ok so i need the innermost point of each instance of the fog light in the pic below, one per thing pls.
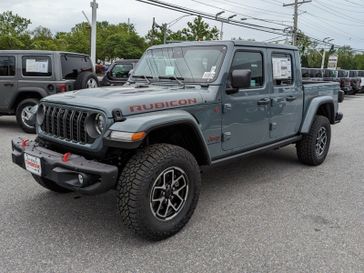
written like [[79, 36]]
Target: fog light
[[80, 179]]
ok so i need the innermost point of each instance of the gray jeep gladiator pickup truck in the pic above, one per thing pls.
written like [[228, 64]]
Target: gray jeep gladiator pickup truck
[[26, 76], [186, 105]]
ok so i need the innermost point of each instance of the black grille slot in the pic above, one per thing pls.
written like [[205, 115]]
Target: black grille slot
[[67, 124]]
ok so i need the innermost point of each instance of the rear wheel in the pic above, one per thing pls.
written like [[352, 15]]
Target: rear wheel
[[313, 148], [50, 185], [158, 190], [23, 115]]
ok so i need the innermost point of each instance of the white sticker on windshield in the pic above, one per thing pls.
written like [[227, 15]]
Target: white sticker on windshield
[[208, 75], [169, 70], [213, 69], [33, 65]]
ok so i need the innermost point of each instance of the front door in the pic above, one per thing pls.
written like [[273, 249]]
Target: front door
[[245, 120], [8, 83], [287, 96]]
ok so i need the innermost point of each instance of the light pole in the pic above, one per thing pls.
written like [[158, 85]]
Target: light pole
[[94, 7], [222, 24], [327, 40]]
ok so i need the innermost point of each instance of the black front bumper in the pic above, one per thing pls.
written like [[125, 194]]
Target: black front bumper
[[97, 177]]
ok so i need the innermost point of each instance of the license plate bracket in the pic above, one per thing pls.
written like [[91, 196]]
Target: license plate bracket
[[33, 164]]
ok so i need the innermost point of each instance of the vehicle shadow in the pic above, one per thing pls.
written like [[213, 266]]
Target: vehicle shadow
[[95, 218]]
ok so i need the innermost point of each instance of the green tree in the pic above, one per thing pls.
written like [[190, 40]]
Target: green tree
[[196, 30], [199, 30], [42, 39], [13, 31], [345, 58]]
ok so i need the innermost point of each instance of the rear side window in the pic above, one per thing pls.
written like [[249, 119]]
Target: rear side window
[[37, 66], [252, 61], [7, 66], [73, 65], [282, 69], [120, 71]]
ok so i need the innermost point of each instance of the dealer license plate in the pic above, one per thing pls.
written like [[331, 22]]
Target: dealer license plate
[[32, 164]]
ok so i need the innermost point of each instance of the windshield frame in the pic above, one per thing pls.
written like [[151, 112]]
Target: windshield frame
[[155, 79]]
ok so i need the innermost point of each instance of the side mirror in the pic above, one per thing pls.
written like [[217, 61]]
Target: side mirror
[[241, 78]]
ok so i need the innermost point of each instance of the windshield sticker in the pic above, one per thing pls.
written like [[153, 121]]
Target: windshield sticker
[[213, 69], [33, 65], [282, 68], [208, 75], [169, 70], [252, 83]]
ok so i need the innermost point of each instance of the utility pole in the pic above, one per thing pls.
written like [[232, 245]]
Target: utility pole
[[94, 7], [296, 4]]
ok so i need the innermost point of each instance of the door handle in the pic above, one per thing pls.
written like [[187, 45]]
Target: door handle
[[264, 101], [8, 84], [291, 98]]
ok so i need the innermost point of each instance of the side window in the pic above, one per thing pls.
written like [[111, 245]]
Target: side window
[[252, 61], [7, 66], [73, 65], [282, 69], [36, 66], [121, 71]]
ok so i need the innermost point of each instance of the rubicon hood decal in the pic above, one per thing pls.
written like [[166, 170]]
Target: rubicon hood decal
[[130, 100], [162, 105]]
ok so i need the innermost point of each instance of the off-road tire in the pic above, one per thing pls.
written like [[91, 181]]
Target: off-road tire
[[19, 109], [50, 185], [83, 78], [136, 182], [306, 148]]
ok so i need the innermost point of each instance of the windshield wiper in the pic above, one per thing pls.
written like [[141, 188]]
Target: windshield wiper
[[173, 77], [143, 77]]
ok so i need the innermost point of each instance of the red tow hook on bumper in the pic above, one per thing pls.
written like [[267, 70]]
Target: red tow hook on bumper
[[24, 142], [66, 157]]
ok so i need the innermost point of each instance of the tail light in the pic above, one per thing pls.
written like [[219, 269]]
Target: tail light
[[62, 87]]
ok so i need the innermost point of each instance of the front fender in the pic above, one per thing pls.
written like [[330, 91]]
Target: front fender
[[150, 121], [312, 110]]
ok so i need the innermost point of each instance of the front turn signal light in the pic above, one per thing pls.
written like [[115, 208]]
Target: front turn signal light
[[127, 137]]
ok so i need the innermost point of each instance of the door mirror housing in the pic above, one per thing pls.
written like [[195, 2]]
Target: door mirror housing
[[240, 78]]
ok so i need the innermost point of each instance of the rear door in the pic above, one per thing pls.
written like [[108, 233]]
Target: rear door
[[8, 83], [287, 95], [245, 121]]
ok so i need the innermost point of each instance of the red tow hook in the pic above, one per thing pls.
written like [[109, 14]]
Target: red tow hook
[[66, 157], [24, 142]]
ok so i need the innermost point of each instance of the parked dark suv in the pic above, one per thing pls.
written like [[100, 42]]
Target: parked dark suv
[[27, 76], [118, 72], [355, 80]]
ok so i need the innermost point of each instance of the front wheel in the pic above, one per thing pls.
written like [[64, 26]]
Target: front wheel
[[24, 115], [158, 190], [314, 146]]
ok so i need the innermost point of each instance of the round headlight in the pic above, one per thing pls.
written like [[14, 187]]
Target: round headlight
[[100, 123]]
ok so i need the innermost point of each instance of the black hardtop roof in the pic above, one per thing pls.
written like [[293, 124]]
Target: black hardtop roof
[[231, 42], [21, 51]]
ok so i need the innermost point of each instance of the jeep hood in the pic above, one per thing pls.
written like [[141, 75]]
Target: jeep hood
[[130, 100]]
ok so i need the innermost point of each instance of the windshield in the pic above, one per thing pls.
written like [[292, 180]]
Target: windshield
[[343, 73], [190, 64], [329, 73]]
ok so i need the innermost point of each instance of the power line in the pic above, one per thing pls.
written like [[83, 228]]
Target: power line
[[205, 15], [295, 18]]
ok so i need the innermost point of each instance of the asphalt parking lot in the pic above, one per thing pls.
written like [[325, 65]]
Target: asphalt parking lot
[[266, 213]]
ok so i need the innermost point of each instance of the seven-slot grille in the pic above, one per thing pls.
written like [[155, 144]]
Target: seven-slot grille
[[67, 124]]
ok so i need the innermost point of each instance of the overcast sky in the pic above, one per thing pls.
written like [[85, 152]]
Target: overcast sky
[[342, 20]]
